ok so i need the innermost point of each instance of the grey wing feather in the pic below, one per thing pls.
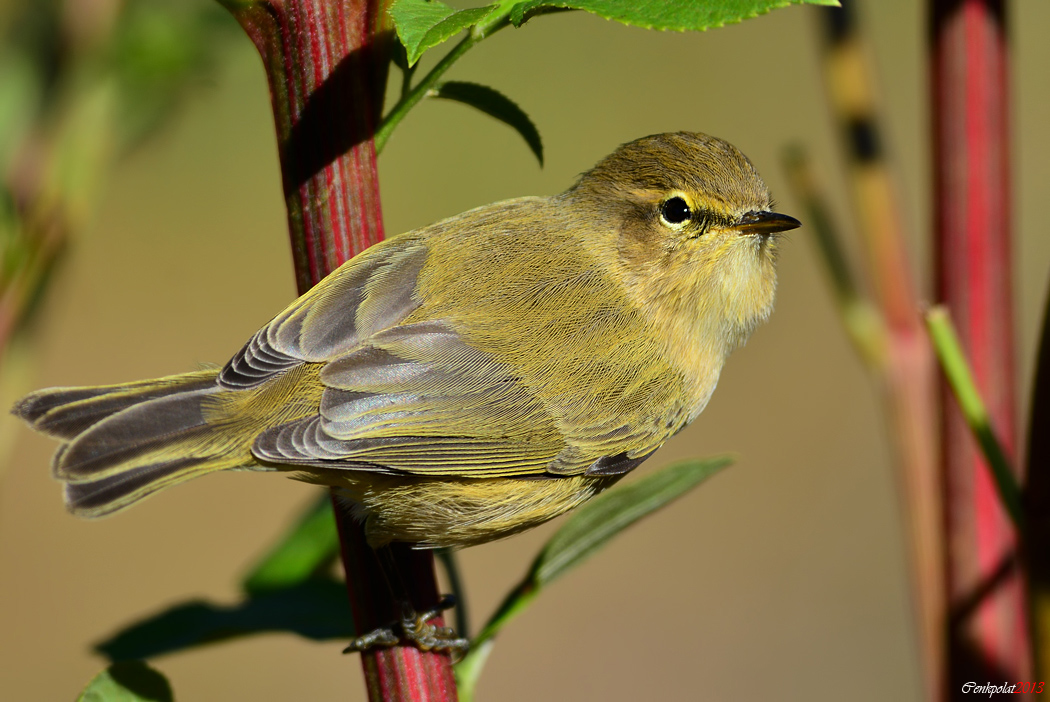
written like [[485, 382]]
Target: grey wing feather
[[404, 398], [417, 399], [371, 292]]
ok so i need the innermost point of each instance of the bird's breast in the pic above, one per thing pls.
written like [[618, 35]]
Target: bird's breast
[[449, 512]]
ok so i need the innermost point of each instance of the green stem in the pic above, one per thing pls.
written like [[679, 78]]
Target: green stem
[[411, 98], [957, 371], [406, 80], [864, 322], [447, 558], [468, 670]]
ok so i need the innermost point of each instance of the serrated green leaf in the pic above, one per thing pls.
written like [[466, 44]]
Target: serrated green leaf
[[663, 14], [414, 18], [316, 609], [310, 546], [127, 681], [495, 104], [423, 24], [607, 515]]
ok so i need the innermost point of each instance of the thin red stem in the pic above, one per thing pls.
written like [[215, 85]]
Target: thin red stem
[[906, 364]]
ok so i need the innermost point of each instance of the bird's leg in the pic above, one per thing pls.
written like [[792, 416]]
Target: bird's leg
[[412, 626]]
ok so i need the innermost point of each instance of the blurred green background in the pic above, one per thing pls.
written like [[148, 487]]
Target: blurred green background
[[783, 578]]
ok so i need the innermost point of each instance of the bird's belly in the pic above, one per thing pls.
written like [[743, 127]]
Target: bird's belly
[[454, 512]]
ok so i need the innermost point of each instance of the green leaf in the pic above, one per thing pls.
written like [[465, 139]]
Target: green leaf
[[495, 104], [316, 609], [127, 681], [663, 14], [604, 517], [311, 546], [586, 531], [423, 24]]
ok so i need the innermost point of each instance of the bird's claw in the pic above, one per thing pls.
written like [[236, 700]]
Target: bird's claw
[[414, 628], [383, 637]]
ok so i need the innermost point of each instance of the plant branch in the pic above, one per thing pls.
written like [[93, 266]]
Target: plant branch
[[862, 320], [1037, 507], [411, 97], [448, 560]]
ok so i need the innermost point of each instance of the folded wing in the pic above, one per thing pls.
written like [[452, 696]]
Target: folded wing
[[370, 293], [406, 394], [416, 399]]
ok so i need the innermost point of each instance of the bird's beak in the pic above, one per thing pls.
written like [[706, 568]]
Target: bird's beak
[[766, 223]]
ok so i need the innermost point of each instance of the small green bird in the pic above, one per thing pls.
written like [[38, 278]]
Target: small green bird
[[473, 378]]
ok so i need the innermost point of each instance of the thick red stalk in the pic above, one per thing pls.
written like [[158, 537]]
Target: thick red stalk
[[326, 61], [326, 66], [968, 68]]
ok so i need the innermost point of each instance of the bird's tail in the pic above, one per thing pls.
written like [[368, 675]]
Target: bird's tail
[[124, 442]]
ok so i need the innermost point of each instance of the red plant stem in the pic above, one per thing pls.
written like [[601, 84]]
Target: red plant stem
[[326, 70], [326, 61], [906, 366], [968, 68], [405, 672]]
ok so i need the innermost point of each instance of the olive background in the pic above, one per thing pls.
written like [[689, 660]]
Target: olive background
[[783, 578]]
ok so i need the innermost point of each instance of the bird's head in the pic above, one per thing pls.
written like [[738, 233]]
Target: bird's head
[[693, 227]]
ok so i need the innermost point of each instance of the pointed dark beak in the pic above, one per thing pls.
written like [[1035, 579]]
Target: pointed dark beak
[[766, 223]]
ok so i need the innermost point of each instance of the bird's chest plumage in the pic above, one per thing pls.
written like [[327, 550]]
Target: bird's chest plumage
[[461, 512]]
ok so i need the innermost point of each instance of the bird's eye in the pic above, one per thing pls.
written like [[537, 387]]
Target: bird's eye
[[675, 210]]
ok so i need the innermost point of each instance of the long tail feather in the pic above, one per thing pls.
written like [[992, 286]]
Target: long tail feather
[[125, 442], [153, 431], [64, 413], [98, 498]]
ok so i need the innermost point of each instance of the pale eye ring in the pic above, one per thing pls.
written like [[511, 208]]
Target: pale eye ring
[[675, 211]]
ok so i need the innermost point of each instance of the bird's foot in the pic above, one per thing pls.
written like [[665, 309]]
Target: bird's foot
[[415, 628]]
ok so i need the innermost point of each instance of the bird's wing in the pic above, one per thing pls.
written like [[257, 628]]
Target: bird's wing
[[415, 398], [369, 293], [412, 397]]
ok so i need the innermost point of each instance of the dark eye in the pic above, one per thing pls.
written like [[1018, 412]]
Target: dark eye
[[675, 211]]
